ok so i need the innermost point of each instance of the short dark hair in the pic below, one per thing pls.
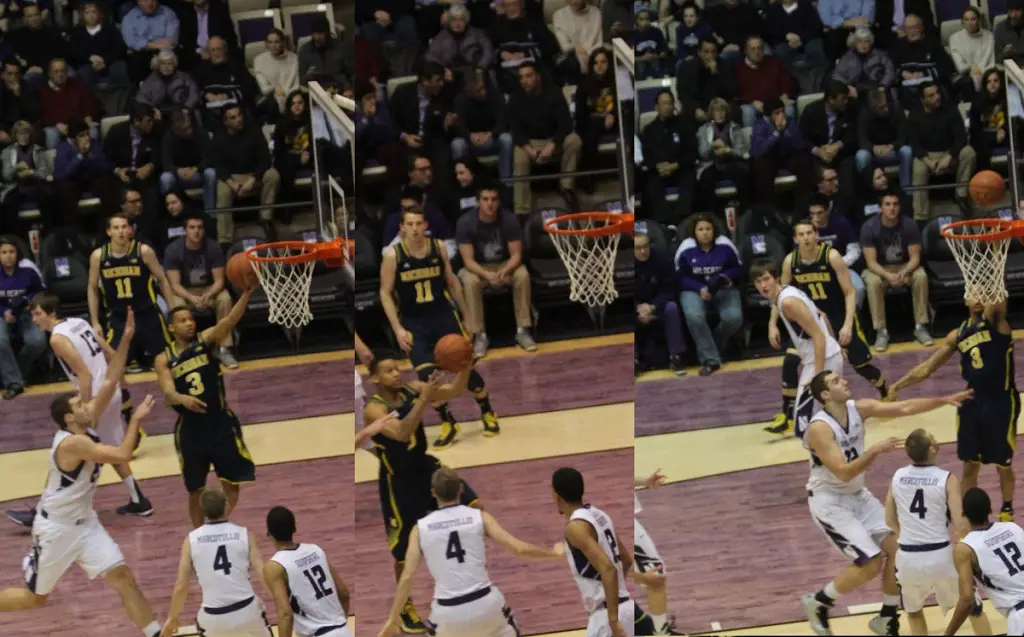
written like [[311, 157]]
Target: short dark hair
[[281, 524], [818, 199], [762, 267], [568, 484], [977, 506], [193, 215], [703, 217], [137, 111], [431, 70], [234, 107], [127, 189], [834, 88], [529, 64], [924, 86], [970, 9], [380, 356], [707, 39], [214, 504], [174, 310], [77, 127], [819, 384], [6, 239], [488, 184], [60, 408], [48, 302], [665, 91], [446, 484], [889, 192], [918, 445]]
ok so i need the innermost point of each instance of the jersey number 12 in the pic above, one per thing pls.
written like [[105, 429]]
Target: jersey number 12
[[1010, 555], [318, 580]]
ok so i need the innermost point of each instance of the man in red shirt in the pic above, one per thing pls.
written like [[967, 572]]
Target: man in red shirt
[[761, 79], [63, 100]]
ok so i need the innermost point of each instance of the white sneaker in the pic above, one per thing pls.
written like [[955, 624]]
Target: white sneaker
[[817, 614], [882, 341], [923, 336], [480, 345], [884, 625]]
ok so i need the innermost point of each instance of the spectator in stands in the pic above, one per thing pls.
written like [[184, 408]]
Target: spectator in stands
[[973, 51], [690, 31], [324, 55], [202, 20], [369, 68], [388, 21], [481, 126], [733, 23], [616, 20], [836, 231], [761, 79], [521, 37], [793, 30], [464, 197], [889, 16], [36, 44], [882, 136], [420, 173], [293, 139], [413, 198], [1008, 35], [707, 267], [939, 140], [65, 99], [990, 120], [580, 24], [892, 253], [702, 79], [81, 167], [724, 152], [491, 246], [864, 67], [170, 225], [18, 284], [670, 155], [225, 80], [830, 129], [183, 150], [18, 101], [919, 57], [133, 152], [776, 143], [377, 135], [148, 29], [839, 192], [195, 271], [11, 11], [654, 300], [842, 17], [168, 87], [542, 132], [277, 69], [421, 114], [460, 48], [241, 158], [650, 49], [27, 177], [596, 115], [97, 50]]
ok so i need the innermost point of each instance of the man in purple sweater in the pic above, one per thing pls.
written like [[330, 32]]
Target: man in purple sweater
[[18, 284]]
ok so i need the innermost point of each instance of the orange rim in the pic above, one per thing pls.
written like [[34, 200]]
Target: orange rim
[[617, 223], [309, 252], [999, 229]]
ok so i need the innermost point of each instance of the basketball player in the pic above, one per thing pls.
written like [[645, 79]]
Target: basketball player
[[841, 505], [207, 432], [364, 355], [417, 272], [818, 270], [810, 331], [126, 273], [405, 466], [311, 599], [220, 553], [452, 541], [67, 529], [986, 426], [989, 559], [923, 499], [650, 569]]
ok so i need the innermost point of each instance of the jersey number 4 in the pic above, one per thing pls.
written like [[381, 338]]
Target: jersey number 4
[[220, 560], [455, 550], [917, 504], [318, 580], [424, 292], [1010, 555]]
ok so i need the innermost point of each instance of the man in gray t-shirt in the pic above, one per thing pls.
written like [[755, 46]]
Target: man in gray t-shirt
[[491, 245]]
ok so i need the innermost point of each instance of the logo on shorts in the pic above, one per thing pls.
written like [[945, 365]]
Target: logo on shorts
[[393, 523]]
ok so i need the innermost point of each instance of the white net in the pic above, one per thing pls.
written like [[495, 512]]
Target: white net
[[286, 284], [982, 261], [589, 260]]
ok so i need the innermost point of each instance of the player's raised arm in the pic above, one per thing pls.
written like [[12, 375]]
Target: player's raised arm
[[965, 561], [514, 545], [581, 536], [115, 370], [955, 504], [403, 428], [921, 372], [413, 557], [869, 407], [149, 258], [822, 443], [65, 351], [256, 560], [340, 588], [797, 312], [171, 396], [390, 419], [652, 481], [84, 448], [774, 335], [222, 329], [277, 583], [180, 593], [93, 290], [388, 271], [447, 391], [835, 259]]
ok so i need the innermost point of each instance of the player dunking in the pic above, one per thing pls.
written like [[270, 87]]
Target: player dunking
[[818, 270], [405, 466], [840, 503], [452, 541], [650, 569], [986, 426], [923, 499], [417, 272], [67, 529], [311, 599], [207, 432]]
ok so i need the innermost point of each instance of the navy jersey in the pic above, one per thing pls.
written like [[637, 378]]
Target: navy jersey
[[986, 357], [420, 281], [818, 280], [126, 281], [196, 372], [399, 455]]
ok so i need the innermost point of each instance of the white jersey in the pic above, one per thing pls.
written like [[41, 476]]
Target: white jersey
[[586, 576], [312, 589], [1000, 553], [921, 504], [87, 343], [68, 495], [220, 558], [453, 542], [851, 444], [804, 345]]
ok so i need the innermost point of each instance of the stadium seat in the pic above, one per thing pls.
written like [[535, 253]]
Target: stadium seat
[[395, 82], [65, 268], [252, 50], [107, 122], [947, 29], [244, 6], [655, 233], [753, 247], [253, 26], [803, 100], [647, 93], [298, 19]]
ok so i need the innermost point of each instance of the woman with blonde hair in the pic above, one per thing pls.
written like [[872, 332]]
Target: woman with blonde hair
[[27, 172], [723, 151]]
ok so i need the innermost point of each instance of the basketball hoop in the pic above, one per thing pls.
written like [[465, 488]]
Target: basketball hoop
[[980, 247], [285, 271], [587, 243]]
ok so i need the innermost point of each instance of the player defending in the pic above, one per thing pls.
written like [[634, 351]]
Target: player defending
[[922, 500], [986, 426], [311, 599], [126, 273], [650, 569], [67, 529], [405, 466], [810, 332], [818, 270], [989, 557], [207, 432], [452, 541], [417, 272], [842, 507], [220, 553]]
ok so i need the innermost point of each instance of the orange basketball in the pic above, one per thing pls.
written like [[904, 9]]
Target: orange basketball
[[987, 188], [453, 353], [240, 272]]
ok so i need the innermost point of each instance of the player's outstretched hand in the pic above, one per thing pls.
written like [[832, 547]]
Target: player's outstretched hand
[[129, 324], [192, 403], [404, 341], [774, 336], [887, 445], [617, 630], [145, 408], [656, 479], [958, 398], [378, 425], [433, 382], [390, 629]]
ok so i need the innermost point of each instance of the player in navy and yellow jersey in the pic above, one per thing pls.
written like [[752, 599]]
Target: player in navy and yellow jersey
[[987, 424], [422, 299], [207, 432], [405, 466], [125, 273], [818, 270]]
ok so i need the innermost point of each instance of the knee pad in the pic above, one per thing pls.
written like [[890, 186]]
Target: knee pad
[[476, 382], [424, 371]]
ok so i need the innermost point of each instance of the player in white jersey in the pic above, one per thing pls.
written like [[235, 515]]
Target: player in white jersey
[[220, 553], [311, 599], [452, 541], [650, 568], [923, 499], [810, 332], [989, 560], [67, 530], [840, 504], [365, 355]]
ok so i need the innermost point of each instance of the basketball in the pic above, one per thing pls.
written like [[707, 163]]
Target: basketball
[[987, 188], [453, 353], [240, 272]]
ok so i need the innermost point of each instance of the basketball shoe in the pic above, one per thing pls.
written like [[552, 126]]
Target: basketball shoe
[[449, 431], [885, 625], [411, 622], [490, 420], [817, 614], [781, 425], [1006, 513]]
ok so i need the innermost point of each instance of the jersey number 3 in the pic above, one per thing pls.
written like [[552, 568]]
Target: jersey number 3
[[424, 292], [195, 384], [455, 550], [976, 361]]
